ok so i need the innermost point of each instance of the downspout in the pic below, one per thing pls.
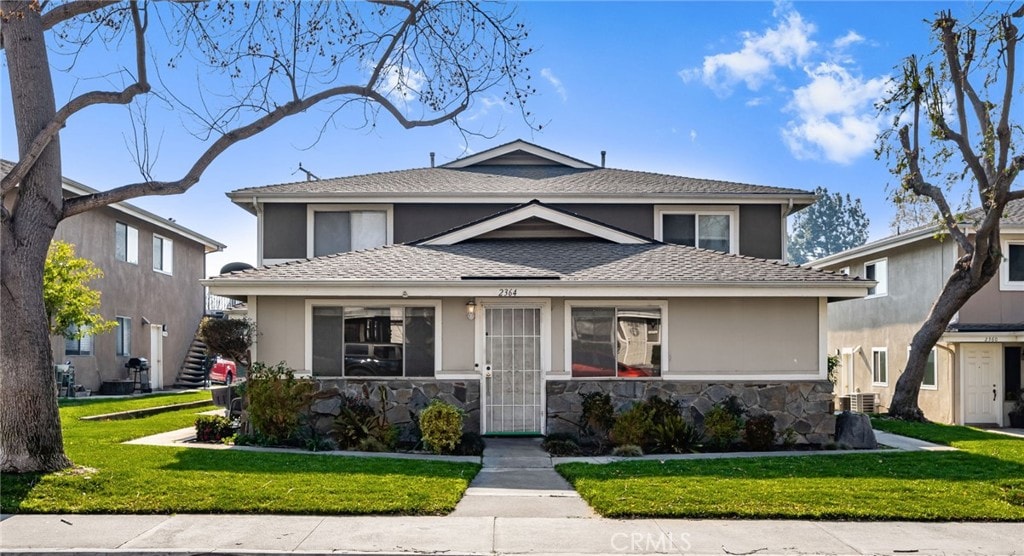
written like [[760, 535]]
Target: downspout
[[953, 383]]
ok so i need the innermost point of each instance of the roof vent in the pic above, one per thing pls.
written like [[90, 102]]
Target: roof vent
[[603, 154], [431, 159]]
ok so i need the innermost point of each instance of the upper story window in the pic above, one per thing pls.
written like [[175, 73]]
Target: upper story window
[[163, 254], [1011, 272], [126, 243], [879, 272], [339, 228], [124, 336], [713, 228], [879, 367], [615, 341], [77, 346]]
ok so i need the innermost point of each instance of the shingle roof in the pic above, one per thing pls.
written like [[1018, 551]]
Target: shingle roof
[[1012, 216], [536, 181], [564, 260]]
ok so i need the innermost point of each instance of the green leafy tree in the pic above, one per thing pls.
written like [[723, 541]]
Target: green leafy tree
[[952, 127], [832, 224], [418, 63], [71, 304]]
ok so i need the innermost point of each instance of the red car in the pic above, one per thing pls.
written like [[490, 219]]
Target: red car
[[222, 370]]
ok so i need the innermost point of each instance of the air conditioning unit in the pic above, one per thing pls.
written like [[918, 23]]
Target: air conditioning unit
[[863, 402]]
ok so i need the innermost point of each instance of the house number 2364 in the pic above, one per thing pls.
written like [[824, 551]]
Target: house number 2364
[[507, 292]]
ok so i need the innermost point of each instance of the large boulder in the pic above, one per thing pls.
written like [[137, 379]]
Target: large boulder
[[854, 430]]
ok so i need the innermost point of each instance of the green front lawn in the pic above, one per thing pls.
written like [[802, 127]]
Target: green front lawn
[[983, 481], [117, 478]]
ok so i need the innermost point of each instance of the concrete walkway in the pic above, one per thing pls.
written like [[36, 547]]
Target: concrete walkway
[[519, 480], [151, 535]]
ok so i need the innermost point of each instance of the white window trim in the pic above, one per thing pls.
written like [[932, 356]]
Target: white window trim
[[167, 261], [1004, 269], [312, 209], [924, 386], [131, 248], [615, 304], [120, 333], [438, 325], [880, 282], [873, 352], [732, 211]]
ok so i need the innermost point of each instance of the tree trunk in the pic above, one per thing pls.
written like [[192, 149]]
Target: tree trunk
[[960, 286], [30, 437]]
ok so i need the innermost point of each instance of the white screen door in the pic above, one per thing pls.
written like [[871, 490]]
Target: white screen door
[[513, 381]]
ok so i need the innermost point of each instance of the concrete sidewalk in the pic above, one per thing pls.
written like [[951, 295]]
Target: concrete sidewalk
[[273, 534]]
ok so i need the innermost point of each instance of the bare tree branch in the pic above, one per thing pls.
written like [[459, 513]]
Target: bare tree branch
[[45, 136], [72, 10], [916, 182]]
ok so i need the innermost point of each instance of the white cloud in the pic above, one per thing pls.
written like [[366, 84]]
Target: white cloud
[[756, 101], [834, 115], [693, 135], [546, 73], [849, 39], [787, 44]]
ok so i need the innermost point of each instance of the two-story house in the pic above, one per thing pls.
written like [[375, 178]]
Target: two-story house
[[976, 363], [150, 287], [512, 280]]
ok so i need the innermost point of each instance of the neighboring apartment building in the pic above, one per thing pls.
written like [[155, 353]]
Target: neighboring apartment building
[[150, 288], [976, 363], [511, 280]]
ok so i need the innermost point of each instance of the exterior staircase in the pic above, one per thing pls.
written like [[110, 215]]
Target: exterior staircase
[[191, 374]]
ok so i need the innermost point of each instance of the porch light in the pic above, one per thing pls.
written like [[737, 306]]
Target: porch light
[[470, 309]]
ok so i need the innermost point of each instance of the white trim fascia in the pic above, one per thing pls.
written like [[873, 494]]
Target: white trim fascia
[[536, 211], [343, 302], [347, 197], [212, 246], [983, 337], [1004, 269], [518, 145], [873, 248], [661, 304], [311, 210], [732, 211], [528, 288]]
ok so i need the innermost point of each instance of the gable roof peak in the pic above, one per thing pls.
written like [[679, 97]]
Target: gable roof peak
[[519, 152]]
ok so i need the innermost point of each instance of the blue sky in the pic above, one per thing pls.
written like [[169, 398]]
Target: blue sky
[[766, 93]]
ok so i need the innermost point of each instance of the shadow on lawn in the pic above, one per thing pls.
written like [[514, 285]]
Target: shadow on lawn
[[16, 489], [945, 466], [231, 461]]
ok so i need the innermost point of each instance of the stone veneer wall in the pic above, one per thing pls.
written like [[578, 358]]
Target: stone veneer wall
[[804, 406], [406, 398]]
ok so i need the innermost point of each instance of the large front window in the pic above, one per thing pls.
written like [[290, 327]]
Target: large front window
[[616, 341], [354, 341]]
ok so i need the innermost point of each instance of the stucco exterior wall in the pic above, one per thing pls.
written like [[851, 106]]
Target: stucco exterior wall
[[136, 291], [993, 305], [916, 274], [727, 337]]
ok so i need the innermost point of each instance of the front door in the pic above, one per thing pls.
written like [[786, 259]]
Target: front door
[[156, 356], [513, 382], [982, 379]]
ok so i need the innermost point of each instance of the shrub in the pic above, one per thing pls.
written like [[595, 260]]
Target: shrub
[[471, 444], [673, 435], [632, 427], [562, 448], [628, 451], [759, 432], [661, 409], [721, 427], [213, 428], [441, 426], [275, 401], [598, 414]]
